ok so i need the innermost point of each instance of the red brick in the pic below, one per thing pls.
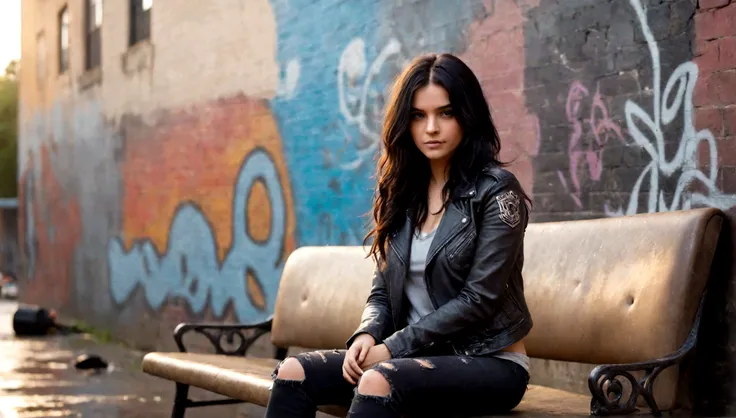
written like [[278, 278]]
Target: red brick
[[716, 54], [726, 179], [725, 86], [726, 152], [727, 53], [709, 118], [716, 89], [704, 46], [705, 95], [729, 120], [710, 4], [717, 23], [707, 56]]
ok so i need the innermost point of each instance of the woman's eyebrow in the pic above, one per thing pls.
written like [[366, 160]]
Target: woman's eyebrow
[[443, 107]]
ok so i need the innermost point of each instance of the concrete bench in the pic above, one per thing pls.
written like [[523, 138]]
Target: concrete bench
[[623, 293]]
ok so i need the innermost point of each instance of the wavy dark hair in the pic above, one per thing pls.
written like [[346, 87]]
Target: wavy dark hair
[[403, 172]]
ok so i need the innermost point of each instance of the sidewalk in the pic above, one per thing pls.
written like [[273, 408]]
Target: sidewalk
[[38, 379]]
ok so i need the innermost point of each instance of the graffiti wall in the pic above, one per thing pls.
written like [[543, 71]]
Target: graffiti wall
[[211, 221], [172, 183], [622, 94]]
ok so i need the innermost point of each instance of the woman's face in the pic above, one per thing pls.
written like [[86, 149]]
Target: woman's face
[[434, 128]]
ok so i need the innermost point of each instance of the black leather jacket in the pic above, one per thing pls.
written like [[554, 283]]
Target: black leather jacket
[[473, 276]]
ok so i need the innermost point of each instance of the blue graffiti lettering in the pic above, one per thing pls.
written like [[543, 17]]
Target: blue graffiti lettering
[[189, 268]]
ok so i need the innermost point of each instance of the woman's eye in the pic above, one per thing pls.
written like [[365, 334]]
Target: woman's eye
[[447, 113], [416, 115]]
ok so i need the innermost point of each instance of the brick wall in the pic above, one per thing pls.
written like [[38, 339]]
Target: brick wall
[[714, 50], [172, 182]]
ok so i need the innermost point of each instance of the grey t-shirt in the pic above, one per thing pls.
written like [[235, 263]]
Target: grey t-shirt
[[414, 286], [416, 290]]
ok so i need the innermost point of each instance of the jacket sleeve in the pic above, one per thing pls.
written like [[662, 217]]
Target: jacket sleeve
[[500, 239], [376, 320]]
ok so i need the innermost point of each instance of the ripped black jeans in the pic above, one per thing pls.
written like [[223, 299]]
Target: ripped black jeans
[[430, 385]]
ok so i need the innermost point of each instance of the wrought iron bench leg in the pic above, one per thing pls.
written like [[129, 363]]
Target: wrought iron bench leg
[[606, 382], [180, 400]]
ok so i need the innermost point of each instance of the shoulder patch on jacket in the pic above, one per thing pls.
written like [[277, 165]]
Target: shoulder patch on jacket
[[508, 203]]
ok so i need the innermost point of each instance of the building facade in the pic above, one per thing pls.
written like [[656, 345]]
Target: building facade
[[174, 152]]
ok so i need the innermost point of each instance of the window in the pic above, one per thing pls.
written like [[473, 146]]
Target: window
[[63, 40], [93, 16], [140, 20]]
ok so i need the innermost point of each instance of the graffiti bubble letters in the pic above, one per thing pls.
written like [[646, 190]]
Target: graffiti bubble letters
[[588, 138], [189, 268], [677, 98]]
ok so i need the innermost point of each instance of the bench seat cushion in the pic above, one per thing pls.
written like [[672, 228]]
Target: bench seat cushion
[[249, 379]]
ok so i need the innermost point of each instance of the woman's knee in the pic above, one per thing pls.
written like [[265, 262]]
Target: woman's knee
[[373, 383], [290, 369]]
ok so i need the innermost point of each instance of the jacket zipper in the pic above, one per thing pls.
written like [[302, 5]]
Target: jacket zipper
[[426, 279], [463, 242]]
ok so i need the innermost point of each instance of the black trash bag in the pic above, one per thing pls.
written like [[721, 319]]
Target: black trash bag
[[90, 361], [32, 320]]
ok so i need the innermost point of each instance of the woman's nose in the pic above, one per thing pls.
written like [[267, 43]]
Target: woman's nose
[[431, 127]]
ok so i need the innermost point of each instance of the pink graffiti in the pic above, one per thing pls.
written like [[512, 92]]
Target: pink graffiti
[[587, 147]]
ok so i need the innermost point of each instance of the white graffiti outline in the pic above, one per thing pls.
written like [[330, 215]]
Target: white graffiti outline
[[351, 67], [665, 109]]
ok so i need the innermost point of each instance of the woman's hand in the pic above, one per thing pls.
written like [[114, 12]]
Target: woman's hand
[[375, 355], [357, 352]]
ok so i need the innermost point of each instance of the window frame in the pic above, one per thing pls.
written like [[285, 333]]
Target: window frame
[[140, 21], [62, 20], [93, 33]]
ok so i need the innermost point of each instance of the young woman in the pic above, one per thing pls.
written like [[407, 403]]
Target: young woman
[[442, 330]]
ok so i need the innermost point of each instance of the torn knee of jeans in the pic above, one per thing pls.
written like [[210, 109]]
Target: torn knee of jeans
[[276, 380], [275, 371], [275, 374], [375, 383], [425, 364], [387, 366], [381, 400]]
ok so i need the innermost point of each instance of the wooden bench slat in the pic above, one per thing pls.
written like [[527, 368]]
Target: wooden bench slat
[[244, 378]]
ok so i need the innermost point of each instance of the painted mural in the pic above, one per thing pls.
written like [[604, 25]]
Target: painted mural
[[330, 117], [50, 232], [626, 105], [210, 221], [670, 102], [198, 202]]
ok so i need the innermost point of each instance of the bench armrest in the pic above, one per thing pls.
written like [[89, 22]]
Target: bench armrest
[[607, 388], [246, 335]]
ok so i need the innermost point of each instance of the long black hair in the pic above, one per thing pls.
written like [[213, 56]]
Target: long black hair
[[403, 171]]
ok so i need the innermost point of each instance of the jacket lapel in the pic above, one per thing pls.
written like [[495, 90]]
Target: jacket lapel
[[452, 223], [400, 243]]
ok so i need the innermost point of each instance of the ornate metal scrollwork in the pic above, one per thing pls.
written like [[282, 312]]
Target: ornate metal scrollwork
[[607, 385], [237, 338], [608, 391]]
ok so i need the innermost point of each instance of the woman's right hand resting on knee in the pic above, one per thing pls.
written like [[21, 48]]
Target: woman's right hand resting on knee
[[356, 354]]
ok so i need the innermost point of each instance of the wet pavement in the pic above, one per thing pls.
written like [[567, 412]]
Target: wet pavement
[[38, 379]]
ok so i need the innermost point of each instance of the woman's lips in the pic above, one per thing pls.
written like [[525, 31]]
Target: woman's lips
[[433, 144]]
